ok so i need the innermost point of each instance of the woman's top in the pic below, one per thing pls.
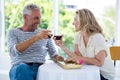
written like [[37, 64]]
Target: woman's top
[[95, 44]]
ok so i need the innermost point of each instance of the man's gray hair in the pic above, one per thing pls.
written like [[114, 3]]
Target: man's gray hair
[[28, 8]]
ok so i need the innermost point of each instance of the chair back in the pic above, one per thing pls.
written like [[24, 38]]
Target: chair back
[[115, 52]]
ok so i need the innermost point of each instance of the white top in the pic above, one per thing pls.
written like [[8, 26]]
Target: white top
[[51, 71], [95, 44]]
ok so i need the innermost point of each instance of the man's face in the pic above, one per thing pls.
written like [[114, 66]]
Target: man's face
[[33, 20]]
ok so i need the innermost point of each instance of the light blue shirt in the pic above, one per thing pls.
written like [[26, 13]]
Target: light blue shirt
[[35, 53]]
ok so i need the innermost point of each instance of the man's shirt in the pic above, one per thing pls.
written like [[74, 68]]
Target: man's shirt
[[35, 53]]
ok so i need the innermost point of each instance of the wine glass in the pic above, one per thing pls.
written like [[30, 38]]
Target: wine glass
[[49, 36], [57, 35], [51, 33]]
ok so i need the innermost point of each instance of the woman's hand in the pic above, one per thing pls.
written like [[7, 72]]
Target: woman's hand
[[58, 42], [73, 59]]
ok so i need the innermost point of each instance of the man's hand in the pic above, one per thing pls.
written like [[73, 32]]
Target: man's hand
[[58, 58], [43, 34]]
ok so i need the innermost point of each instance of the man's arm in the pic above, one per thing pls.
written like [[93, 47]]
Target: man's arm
[[52, 51], [12, 40], [24, 45]]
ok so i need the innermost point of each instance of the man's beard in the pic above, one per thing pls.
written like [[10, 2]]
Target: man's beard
[[35, 26]]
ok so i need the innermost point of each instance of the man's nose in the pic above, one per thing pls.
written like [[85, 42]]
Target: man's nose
[[73, 23], [38, 21]]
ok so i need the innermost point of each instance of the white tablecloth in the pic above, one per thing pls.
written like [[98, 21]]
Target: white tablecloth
[[51, 71]]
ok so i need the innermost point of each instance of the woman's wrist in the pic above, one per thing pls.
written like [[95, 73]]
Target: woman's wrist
[[63, 47]]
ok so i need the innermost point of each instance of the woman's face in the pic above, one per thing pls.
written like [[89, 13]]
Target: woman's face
[[76, 23]]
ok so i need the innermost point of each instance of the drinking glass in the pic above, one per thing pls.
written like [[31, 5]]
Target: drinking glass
[[49, 36], [57, 35]]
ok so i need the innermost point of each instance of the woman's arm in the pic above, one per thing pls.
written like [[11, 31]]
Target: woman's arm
[[64, 48], [69, 53], [98, 60], [77, 52]]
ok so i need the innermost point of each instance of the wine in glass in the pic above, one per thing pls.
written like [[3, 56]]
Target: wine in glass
[[51, 34], [57, 35]]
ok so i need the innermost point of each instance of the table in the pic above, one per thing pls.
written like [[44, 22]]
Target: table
[[51, 71]]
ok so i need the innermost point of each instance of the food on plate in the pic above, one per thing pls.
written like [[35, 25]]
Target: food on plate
[[69, 65]]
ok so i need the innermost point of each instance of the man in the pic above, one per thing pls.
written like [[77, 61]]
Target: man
[[29, 45]]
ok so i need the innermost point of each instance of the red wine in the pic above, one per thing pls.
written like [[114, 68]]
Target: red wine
[[58, 37]]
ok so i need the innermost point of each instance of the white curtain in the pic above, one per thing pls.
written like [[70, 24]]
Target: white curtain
[[2, 27]]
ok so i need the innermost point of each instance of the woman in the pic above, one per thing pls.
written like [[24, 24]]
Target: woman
[[90, 44]]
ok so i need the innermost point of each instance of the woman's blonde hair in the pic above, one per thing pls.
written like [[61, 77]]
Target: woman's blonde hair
[[88, 23]]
